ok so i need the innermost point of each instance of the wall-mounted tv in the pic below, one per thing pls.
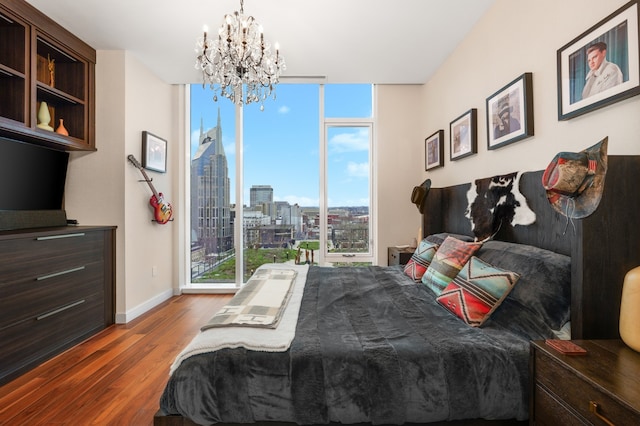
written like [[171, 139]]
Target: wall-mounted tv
[[32, 182]]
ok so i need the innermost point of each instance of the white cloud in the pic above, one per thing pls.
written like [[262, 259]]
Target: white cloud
[[349, 142], [284, 109], [358, 169], [301, 201]]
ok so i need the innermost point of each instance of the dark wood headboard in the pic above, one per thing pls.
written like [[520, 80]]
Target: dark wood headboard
[[603, 246]]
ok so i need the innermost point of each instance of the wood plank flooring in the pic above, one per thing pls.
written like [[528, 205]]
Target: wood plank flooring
[[114, 378]]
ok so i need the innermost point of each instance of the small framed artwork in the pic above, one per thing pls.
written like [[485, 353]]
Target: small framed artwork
[[463, 135], [154, 152], [510, 112], [434, 150], [601, 66]]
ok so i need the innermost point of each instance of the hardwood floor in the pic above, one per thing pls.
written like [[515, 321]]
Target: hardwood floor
[[114, 378]]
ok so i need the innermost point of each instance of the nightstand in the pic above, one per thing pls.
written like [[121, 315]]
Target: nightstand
[[399, 256], [600, 388]]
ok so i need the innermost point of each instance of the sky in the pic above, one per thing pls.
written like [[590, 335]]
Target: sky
[[281, 143]]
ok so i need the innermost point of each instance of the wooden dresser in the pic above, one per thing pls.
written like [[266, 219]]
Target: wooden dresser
[[599, 388], [57, 287]]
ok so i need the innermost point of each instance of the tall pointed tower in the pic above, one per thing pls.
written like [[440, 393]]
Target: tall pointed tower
[[210, 194]]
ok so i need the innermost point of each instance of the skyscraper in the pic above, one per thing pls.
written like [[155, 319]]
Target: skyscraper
[[211, 226], [260, 194]]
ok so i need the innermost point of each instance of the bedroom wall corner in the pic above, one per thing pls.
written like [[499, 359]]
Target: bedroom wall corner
[[399, 165]]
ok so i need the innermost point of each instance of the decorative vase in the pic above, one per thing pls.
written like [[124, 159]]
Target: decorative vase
[[629, 309], [44, 117], [61, 129]]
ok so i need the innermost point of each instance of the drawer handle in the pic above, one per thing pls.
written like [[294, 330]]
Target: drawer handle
[[57, 311], [57, 237], [56, 274], [593, 407]]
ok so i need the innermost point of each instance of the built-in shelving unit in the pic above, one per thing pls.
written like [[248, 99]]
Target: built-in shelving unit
[[42, 62]]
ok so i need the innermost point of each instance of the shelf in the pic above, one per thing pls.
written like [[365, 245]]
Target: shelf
[[6, 71], [51, 94], [13, 83], [12, 43], [58, 69], [12, 86]]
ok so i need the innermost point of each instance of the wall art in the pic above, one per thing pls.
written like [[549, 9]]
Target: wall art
[[601, 66], [434, 150], [510, 112], [463, 135], [154, 152]]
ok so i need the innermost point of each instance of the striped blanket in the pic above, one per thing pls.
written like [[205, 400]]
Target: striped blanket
[[276, 339], [260, 303]]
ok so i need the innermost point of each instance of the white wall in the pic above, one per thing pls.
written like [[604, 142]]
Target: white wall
[[94, 194], [150, 105], [103, 187], [399, 164], [514, 37]]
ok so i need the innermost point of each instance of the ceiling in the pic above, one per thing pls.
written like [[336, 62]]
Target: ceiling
[[335, 41]]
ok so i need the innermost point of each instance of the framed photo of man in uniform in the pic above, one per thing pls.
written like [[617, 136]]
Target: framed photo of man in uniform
[[601, 66]]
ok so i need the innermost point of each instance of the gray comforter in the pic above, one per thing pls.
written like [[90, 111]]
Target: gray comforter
[[371, 346]]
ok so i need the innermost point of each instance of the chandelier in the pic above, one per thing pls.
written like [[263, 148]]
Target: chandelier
[[238, 56]]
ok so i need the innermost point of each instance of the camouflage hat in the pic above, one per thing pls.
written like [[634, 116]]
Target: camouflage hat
[[575, 181]]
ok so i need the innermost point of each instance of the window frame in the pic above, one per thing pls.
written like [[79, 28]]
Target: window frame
[[324, 257], [343, 257]]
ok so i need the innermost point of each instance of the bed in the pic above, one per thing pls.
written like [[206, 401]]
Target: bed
[[373, 346]]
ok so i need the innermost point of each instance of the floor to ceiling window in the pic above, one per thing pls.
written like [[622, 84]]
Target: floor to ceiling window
[[347, 185], [284, 151], [211, 188], [281, 177]]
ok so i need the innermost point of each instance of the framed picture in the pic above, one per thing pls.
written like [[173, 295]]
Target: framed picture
[[510, 112], [463, 135], [154, 152], [601, 66], [434, 150]]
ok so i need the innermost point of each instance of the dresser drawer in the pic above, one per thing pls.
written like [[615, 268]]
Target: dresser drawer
[[577, 393], [35, 338], [36, 256], [26, 299], [550, 412]]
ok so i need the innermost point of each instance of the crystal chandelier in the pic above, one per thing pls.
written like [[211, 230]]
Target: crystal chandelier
[[238, 56]]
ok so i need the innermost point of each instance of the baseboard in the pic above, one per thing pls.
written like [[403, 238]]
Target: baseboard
[[130, 315]]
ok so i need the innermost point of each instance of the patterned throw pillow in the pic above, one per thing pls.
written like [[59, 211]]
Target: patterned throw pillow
[[420, 260], [477, 291], [447, 262]]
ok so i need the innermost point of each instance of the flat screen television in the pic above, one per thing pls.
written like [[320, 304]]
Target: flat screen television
[[32, 183]]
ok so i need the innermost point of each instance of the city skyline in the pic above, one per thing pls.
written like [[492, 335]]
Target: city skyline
[[281, 143]]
